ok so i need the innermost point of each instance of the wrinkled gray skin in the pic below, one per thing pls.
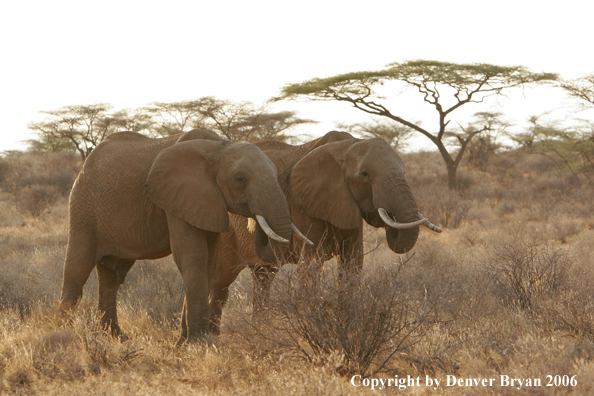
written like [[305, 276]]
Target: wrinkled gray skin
[[332, 184], [140, 198]]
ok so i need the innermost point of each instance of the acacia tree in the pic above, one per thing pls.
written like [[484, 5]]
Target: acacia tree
[[175, 117], [443, 85], [263, 125], [582, 89], [225, 117], [49, 144], [236, 121], [481, 149], [570, 147], [567, 147], [392, 132], [82, 127], [244, 121], [134, 120]]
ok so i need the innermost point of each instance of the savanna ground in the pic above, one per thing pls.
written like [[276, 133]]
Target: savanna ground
[[506, 289]]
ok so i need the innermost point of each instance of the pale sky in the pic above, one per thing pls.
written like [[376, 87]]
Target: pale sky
[[131, 53]]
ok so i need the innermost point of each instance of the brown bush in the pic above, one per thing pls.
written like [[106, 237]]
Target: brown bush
[[480, 151], [61, 180], [35, 200], [37, 181], [444, 207], [355, 327], [4, 170], [523, 272]]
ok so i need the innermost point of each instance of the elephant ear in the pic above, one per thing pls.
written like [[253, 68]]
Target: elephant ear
[[182, 183], [318, 185]]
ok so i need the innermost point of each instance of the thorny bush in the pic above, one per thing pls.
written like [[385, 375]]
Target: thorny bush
[[522, 272], [355, 326]]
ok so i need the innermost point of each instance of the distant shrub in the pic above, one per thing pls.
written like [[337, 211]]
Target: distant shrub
[[4, 170], [565, 228], [480, 151], [523, 272], [505, 207], [36, 181], [444, 207], [36, 199], [573, 312]]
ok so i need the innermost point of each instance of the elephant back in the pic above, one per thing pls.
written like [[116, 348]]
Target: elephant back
[[109, 192]]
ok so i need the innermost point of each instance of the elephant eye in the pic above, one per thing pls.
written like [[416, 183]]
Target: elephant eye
[[240, 178], [364, 173]]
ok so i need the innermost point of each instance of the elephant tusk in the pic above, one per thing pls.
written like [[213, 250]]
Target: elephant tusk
[[300, 235], [430, 225], [271, 234], [401, 226]]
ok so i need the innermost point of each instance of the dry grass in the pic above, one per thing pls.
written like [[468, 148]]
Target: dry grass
[[507, 289]]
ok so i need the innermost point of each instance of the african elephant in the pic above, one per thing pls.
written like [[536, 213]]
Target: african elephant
[[141, 198], [332, 184]]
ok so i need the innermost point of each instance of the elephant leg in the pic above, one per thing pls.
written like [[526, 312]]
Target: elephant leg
[[224, 276], [190, 249], [311, 257], [350, 257], [218, 298], [262, 277], [212, 243], [111, 272], [350, 264], [79, 263]]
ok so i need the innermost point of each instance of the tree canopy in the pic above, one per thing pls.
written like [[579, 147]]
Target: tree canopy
[[236, 121], [82, 127], [582, 89], [392, 132], [445, 86], [568, 147]]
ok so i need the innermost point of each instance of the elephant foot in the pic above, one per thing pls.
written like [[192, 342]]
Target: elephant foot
[[206, 338], [215, 328], [115, 331], [67, 308], [122, 337], [65, 316]]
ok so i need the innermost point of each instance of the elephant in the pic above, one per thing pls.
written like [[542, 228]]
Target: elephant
[[142, 198], [332, 184]]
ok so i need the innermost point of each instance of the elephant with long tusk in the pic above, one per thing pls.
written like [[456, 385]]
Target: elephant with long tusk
[[140, 198], [332, 184]]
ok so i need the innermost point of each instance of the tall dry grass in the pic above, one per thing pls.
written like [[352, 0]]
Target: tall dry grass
[[506, 289]]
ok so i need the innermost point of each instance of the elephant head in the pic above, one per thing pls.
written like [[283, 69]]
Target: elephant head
[[345, 181], [201, 180]]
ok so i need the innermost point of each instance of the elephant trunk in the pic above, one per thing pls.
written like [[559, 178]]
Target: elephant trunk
[[401, 241], [277, 217], [403, 209], [268, 249]]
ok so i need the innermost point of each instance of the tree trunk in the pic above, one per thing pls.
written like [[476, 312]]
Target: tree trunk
[[83, 155], [451, 165], [452, 182]]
